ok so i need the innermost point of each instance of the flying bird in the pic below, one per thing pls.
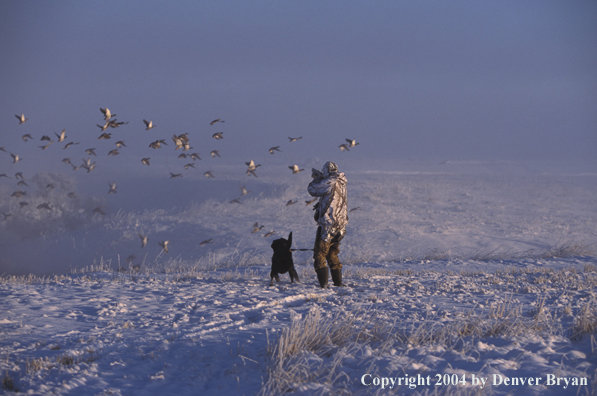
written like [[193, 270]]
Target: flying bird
[[113, 152], [175, 175], [252, 165], [66, 161], [45, 205], [62, 135], [291, 202], [182, 155], [89, 167], [105, 135], [352, 142], [68, 145], [103, 127], [115, 124], [22, 183], [206, 242], [195, 156], [218, 135], [143, 240], [72, 195], [27, 137], [209, 175], [344, 147], [243, 191], [295, 169], [236, 200], [112, 188], [178, 142], [107, 114], [19, 175], [354, 209], [15, 158], [45, 137], [145, 161], [275, 148], [215, 121], [18, 194], [251, 172], [46, 146], [148, 125], [99, 210], [21, 118], [295, 139], [269, 234], [91, 151], [215, 153], [158, 144], [120, 144], [164, 245], [256, 228], [190, 165]]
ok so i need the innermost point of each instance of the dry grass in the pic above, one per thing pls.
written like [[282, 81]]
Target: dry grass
[[311, 350], [38, 364], [8, 384], [585, 323], [290, 363]]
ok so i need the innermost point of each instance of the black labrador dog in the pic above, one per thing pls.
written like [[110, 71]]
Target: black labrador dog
[[282, 260]]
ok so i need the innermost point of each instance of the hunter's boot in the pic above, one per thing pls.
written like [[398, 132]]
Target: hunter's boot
[[337, 277], [322, 277]]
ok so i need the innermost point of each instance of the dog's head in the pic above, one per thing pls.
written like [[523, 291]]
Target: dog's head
[[281, 245]]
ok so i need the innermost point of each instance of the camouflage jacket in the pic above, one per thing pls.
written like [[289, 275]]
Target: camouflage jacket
[[331, 210]]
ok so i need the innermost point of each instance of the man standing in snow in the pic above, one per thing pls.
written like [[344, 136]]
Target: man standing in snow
[[331, 216]]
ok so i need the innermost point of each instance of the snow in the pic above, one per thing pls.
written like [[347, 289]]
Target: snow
[[452, 270]]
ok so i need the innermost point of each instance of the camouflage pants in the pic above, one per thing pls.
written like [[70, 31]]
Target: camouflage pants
[[327, 251]]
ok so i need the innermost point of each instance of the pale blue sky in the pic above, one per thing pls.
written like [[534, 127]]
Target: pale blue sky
[[430, 80]]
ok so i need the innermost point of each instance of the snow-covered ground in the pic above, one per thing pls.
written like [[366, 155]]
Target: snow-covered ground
[[455, 272]]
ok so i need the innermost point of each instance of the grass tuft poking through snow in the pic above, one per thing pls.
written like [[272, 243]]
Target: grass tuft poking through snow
[[585, 323]]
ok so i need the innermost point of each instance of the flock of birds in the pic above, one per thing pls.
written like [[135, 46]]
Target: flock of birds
[[181, 142]]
